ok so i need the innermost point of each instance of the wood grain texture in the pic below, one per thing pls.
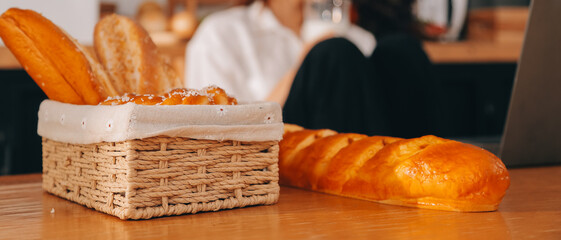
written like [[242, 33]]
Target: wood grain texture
[[530, 209]]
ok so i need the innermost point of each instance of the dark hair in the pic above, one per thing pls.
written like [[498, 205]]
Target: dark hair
[[382, 17]]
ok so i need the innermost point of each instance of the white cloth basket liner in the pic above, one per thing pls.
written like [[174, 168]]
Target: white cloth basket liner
[[86, 124]]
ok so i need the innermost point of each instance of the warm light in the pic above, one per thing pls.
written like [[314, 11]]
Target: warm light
[[337, 15]]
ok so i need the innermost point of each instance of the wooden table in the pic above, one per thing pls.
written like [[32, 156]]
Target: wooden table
[[530, 209], [472, 51]]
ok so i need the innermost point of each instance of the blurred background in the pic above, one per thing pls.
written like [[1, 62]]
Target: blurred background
[[475, 52]]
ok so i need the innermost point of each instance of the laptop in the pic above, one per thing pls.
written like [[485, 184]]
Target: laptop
[[532, 133]]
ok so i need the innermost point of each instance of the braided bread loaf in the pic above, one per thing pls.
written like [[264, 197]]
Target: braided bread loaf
[[426, 172], [211, 95]]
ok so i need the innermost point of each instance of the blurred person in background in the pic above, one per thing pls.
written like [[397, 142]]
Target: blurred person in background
[[390, 92], [252, 50]]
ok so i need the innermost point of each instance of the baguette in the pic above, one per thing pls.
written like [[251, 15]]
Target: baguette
[[426, 172], [131, 58], [59, 65]]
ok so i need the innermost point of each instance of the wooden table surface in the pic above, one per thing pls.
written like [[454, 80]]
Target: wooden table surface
[[473, 52], [530, 209]]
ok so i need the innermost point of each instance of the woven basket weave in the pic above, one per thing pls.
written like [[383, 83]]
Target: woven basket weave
[[162, 176]]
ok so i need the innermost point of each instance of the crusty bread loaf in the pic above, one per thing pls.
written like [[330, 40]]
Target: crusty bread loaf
[[131, 58], [310, 163], [294, 142], [349, 160], [426, 172], [68, 73], [55, 61]]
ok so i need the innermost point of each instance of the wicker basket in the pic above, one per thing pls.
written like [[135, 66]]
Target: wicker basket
[[160, 175]]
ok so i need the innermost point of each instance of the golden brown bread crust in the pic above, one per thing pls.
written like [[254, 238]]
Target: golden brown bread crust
[[51, 57], [218, 96], [310, 163], [47, 77], [292, 128], [426, 172], [180, 96], [104, 84], [349, 160], [67, 72], [294, 142], [131, 58], [435, 173]]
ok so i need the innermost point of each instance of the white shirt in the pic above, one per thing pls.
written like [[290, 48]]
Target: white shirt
[[246, 51]]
